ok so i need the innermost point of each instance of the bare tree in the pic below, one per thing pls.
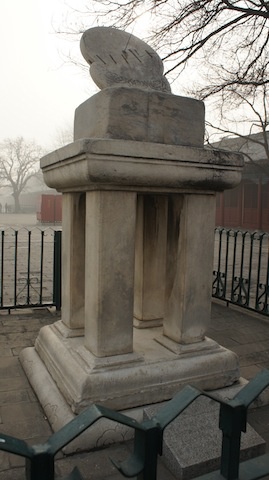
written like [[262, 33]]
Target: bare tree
[[247, 130], [227, 35], [63, 136], [223, 42], [19, 161]]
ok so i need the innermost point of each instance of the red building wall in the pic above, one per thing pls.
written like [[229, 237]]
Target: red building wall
[[246, 206], [50, 209]]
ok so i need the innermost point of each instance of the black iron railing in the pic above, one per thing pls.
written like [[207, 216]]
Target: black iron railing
[[30, 268], [241, 268], [148, 438]]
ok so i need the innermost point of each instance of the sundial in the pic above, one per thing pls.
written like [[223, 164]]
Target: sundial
[[120, 58], [135, 101]]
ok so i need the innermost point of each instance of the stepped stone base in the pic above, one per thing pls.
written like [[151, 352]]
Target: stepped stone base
[[66, 378], [154, 372], [191, 444]]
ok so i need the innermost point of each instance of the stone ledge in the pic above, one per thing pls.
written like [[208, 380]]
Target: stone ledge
[[91, 164], [148, 150]]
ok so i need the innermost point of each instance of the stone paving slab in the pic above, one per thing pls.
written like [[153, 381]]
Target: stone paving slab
[[21, 415], [198, 426]]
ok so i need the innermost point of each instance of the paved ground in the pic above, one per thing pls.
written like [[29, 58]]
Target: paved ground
[[17, 220], [21, 415]]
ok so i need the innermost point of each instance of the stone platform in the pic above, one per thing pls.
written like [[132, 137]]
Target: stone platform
[[155, 371], [192, 442]]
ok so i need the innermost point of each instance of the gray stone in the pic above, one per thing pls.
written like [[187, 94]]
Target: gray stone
[[152, 373], [134, 142], [145, 116], [90, 164], [192, 442], [136, 370], [73, 264], [150, 260], [136, 101], [118, 57], [109, 272]]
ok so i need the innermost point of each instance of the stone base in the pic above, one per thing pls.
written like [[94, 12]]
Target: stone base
[[154, 372], [123, 381], [192, 442], [155, 322], [59, 413], [197, 426]]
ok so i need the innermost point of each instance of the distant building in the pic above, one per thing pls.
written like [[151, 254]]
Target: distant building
[[246, 206], [37, 198]]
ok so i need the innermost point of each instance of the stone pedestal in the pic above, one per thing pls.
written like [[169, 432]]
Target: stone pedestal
[[164, 193], [138, 231]]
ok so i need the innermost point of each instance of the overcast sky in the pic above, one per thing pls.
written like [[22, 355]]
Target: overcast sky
[[38, 90]]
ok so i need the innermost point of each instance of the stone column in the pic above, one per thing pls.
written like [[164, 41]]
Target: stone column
[[190, 247], [73, 260], [110, 246], [150, 260]]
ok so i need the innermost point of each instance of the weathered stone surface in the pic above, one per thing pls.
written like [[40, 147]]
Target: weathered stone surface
[[189, 271], [12, 383], [153, 372], [134, 142], [144, 167], [107, 170], [136, 103], [144, 116], [118, 57], [150, 260], [73, 260], [109, 272], [14, 396]]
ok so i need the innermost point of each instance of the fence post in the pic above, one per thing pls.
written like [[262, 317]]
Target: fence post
[[232, 422], [57, 270]]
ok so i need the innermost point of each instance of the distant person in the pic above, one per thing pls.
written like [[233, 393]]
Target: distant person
[[6, 207]]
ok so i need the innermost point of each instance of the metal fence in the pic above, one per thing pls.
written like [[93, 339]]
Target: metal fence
[[148, 438], [30, 268], [241, 268]]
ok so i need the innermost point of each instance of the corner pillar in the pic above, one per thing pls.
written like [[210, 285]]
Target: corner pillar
[[150, 260], [73, 260], [190, 247], [110, 246]]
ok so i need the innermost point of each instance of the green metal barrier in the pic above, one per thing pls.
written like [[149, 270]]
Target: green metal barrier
[[149, 438], [232, 422]]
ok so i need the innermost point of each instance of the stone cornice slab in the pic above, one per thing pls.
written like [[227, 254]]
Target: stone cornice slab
[[90, 164]]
